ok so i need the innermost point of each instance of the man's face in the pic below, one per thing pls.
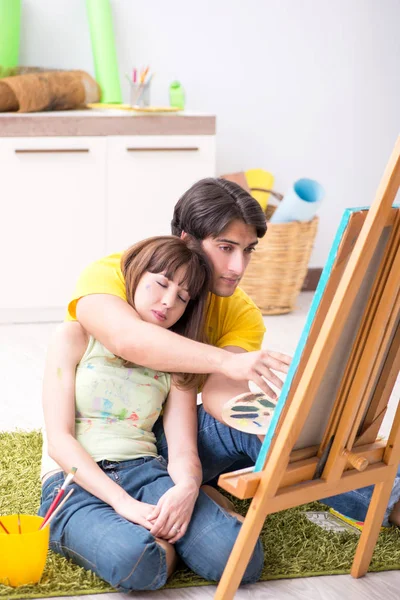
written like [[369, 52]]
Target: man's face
[[230, 254]]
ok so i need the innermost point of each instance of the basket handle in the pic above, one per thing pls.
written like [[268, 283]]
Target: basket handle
[[276, 195]]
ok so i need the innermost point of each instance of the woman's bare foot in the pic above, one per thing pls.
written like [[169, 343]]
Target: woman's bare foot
[[394, 516], [222, 501]]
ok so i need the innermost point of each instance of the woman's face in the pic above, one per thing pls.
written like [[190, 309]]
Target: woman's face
[[159, 300]]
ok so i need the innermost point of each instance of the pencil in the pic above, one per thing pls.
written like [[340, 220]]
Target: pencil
[[59, 507], [143, 75]]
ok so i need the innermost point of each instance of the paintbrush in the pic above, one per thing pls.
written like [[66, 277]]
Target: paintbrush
[[60, 494], [57, 510], [4, 527]]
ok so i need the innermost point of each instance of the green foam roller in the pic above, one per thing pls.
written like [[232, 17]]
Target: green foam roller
[[10, 22], [104, 52]]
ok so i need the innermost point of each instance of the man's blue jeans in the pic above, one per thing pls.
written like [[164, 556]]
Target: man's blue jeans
[[222, 448], [355, 504], [126, 555]]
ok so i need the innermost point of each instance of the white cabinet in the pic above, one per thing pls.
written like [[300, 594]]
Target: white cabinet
[[52, 220], [146, 175], [66, 201]]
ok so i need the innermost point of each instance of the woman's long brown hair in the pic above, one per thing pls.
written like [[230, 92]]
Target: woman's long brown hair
[[166, 254]]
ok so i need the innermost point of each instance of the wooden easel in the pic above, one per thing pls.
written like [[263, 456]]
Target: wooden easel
[[325, 441]]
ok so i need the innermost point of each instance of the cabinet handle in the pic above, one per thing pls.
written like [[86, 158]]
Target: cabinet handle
[[158, 149], [49, 150]]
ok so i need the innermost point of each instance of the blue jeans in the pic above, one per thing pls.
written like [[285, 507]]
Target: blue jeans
[[355, 504], [89, 531], [222, 448]]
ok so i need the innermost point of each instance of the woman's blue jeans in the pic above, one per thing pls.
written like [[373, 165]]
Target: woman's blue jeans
[[126, 555], [222, 448]]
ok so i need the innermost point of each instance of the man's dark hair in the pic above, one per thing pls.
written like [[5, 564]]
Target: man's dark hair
[[208, 207]]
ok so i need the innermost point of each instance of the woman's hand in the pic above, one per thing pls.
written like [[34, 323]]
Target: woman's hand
[[171, 516], [135, 511]]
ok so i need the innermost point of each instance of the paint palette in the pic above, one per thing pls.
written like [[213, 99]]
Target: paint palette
[[249, 412]]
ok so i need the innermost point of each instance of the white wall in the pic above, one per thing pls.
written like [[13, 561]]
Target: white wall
[[303, 88]]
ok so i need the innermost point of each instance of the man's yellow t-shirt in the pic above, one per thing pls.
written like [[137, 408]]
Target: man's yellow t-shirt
[[232, 321]]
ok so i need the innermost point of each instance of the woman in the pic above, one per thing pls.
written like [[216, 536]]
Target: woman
[[128, 507]]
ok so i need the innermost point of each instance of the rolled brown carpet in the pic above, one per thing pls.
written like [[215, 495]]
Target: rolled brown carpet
[[48, 90]]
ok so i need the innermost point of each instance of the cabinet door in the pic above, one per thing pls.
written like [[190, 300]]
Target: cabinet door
[[52, 218], [146, 176]]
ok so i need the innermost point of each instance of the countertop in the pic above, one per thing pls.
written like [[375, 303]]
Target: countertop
[[95, 122]]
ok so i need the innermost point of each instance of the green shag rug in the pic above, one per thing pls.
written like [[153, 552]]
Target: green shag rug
[[294, 547]]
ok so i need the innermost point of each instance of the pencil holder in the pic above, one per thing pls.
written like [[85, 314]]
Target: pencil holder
[[23, 551], [140, 94]]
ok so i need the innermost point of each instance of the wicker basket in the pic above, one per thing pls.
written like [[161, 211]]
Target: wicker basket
[[277, 270]]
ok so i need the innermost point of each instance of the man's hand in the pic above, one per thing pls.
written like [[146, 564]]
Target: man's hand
[[171, 516], [257, 367]]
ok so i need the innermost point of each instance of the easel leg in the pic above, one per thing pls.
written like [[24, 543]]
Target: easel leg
[[241, 552], [371, 529]]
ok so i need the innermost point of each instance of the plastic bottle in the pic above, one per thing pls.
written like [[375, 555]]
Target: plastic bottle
[[177, 95]]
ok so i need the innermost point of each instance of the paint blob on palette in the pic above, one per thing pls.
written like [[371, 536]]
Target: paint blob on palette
[[248, 412]]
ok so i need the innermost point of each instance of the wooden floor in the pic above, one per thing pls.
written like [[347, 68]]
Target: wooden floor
[[22, 354], [382, 586]]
